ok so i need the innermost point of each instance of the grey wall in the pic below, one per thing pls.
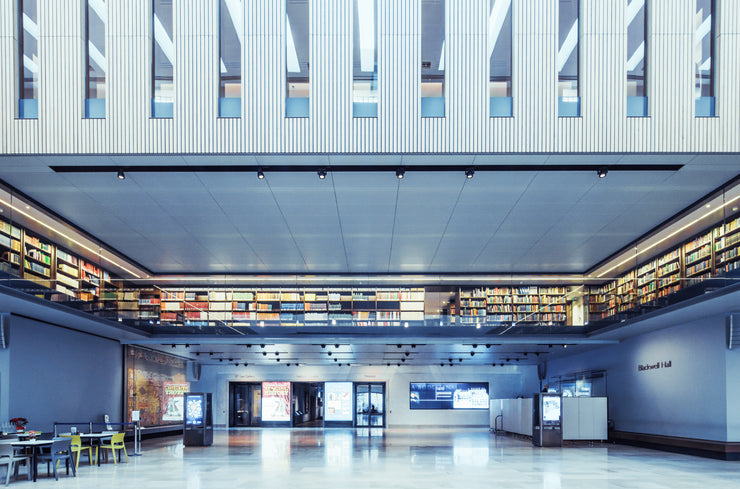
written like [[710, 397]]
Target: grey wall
[[56, 374], [510, 381], [689, 399]]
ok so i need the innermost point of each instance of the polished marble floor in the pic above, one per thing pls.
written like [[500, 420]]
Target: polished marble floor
[[393, 459]]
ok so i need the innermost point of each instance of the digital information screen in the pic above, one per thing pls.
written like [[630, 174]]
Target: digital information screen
[[448, 395], [338, 401], [275, 401], [551, 409], [194, 406]]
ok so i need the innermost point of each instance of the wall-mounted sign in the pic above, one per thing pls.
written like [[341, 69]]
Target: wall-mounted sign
[[654, 366], [275, 401], [338, 401]]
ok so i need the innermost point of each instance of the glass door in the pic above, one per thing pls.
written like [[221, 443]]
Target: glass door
[[369, 405], [245, 404]]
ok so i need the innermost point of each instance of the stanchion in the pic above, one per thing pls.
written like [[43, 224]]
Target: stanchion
[[137, 439]]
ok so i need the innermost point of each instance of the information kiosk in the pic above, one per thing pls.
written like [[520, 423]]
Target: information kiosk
[[547, 420], [198, 429]]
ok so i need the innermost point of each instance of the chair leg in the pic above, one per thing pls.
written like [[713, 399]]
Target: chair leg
[[10, 469], [77, 463], [113, 452], [124, 452]]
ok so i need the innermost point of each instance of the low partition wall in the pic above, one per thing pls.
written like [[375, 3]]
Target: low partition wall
[[583, 418]]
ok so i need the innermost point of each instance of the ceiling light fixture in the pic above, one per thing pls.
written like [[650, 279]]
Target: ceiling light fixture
[[321, 173], [121, 175], [260, 174], [400, 173], [601, 172], [469, 173]]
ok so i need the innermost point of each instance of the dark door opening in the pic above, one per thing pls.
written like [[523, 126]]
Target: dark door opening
[[245, 404], [308, 404]]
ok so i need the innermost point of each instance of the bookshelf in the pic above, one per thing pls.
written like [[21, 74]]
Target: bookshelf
[[647, 282], [698, 258], [10, 248], [37, 259], [67, 273], [727, 246]]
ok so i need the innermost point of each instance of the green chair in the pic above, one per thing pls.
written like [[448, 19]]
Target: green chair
[[78, 447], [116, 443]]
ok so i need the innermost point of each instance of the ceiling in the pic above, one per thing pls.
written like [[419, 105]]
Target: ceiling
[[369, 222]]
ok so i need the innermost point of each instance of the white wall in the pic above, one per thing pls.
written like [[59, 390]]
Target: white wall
[[535, 127], [689, 399], [509, 381], [56, 374]]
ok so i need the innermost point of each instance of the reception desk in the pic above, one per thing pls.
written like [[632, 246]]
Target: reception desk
[[584, 418]]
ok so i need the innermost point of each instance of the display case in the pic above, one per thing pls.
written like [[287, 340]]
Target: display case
[[198, 426]]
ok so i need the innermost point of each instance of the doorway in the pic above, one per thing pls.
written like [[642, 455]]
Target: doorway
[[369, 405], [245, 404], [308, 402]]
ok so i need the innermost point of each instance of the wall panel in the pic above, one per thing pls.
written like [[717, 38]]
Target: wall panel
[[399, 127]]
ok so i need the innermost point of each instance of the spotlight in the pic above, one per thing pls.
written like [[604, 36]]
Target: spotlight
[[472, 353], [328, 353], [400, 173], [220, 359], [407, 353], [260, 173], [459, 359], [336, 346], [211, 354], [340, 364], [449, 360], [249, 346], [602, 171], [174, 345], [264, 353], [441, 364], [321, 173], [387, 364], [516, 359], [231, 359], [277, 353], [277, 359], [323, 346], [246, 364], [475, 346], [297, 364], [336, 360], [508, 360], [197, 354], [262, 346], [538, 353], [187, 346], [121, 175], [488, 346], [469, 173], [565, 346], [413, 346], [399, 346], [287, 365], [398, 365], [403, 360]]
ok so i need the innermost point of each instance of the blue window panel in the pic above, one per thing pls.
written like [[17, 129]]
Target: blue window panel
[[296, 107], [637, 106], [162, 110], [95, 108], [432, 106], [502, 106], [364, 109], [569, 107], [230, 107], [705, 107], [28, 108]]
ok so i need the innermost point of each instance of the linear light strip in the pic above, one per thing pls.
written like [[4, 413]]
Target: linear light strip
[[662, 240], [20, 211]]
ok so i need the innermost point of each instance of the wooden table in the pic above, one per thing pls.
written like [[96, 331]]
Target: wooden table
[[36, 446]]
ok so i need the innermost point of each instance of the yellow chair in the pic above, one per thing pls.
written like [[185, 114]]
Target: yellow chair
[[116, 443], [78, 447]]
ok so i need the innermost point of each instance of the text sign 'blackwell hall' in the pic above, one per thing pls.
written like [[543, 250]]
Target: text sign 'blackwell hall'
[[654, 366]]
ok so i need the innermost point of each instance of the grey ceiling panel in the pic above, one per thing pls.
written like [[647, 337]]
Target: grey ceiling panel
[[497, 221]]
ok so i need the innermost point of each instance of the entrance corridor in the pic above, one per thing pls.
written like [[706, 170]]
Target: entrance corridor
[[276, 458]]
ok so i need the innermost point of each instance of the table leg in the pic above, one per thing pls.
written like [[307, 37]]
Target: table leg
[[34, 467]]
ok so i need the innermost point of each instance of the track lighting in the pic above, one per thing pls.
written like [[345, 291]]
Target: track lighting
[[321, 173], [121, 175], [260, 173], [469, 173], [602, 171], [400, 173]]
